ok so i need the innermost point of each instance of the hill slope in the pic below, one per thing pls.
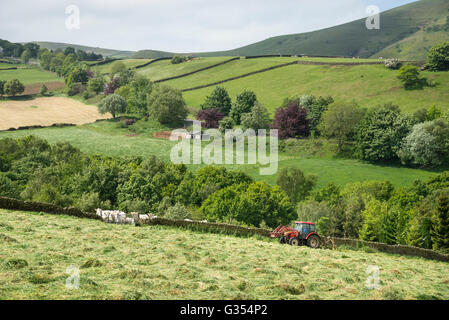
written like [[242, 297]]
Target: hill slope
[[353, 39], [127, 262], [105, 52]]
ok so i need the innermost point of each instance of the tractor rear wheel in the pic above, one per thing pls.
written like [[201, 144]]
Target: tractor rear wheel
[[314, 241], [294, 241]]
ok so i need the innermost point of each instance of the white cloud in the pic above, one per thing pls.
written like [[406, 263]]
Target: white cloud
[[175, 25]]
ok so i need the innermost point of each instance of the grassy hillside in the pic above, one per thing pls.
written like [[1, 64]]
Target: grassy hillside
[[369, 85], [127, 262], [353, 39], [105, 52], [165, 69], [29, 75], [317, 157]]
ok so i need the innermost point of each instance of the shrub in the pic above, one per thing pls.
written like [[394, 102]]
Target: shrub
[[96, 85], [167, 105], [393, 64], [438, 57], [91, 201], [75, 88], [440, 227], [8, 188], [135, 205], [218, 99], [2, 87], [117, 67], [113, 104], [426, 144], [211, 117], [380, 133], [243, 104], [111, 86], [291, 121], [225, 124], [178, 211], [44, 90], [179, 59], [315, 108], [257, 118], [295, 184], [410, 77], [13, 87], [340, 122]]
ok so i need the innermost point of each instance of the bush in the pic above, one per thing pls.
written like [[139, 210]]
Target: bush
[[218, 99], [340, 122], [257, 118], [178, 211], [179, 59], [410, 77], [438, 57], [113, 104], [243, 104], [167, 105], [96, 85], [291, 121], [135, 205], [8, 188], [75, 88], [111, 86], [380, 133], [427, 144], [44, 90], [117, 67], [13, 87], [225, 124], [211, 117], [393, 64], [295, 184], [91, 201]]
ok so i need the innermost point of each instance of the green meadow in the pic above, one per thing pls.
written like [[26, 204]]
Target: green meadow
[[128, 262], [313, 157], [29, 75]]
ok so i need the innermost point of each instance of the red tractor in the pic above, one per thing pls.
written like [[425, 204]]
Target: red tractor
[[303, 233]]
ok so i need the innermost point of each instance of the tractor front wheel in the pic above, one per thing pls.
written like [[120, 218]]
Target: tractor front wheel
[[314, 241], [282, 240], [294, 241]]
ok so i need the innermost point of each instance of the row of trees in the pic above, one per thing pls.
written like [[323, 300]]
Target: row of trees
[[376, 211], [31, 169]]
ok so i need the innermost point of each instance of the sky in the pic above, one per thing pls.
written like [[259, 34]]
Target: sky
[[174, 25]]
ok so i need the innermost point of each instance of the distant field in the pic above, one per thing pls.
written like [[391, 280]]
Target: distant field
[[127, 262], [29, 75], [229, 70], [165, 69], [368, 85], [129, 63], [105, 138], [46, 111]]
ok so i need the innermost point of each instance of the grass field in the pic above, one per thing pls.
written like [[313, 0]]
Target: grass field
[[229, 70], [45, 112], [165, 69], [127, 262], [29, 75], [105, 138], [368, 85]]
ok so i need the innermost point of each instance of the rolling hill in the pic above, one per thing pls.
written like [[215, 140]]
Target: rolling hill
[[105, 52], [402, 27], [406, 32]]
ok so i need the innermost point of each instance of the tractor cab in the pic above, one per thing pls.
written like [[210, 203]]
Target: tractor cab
[[304, 228]]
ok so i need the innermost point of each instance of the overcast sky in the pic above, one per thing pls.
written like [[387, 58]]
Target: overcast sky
[[175, 25]]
